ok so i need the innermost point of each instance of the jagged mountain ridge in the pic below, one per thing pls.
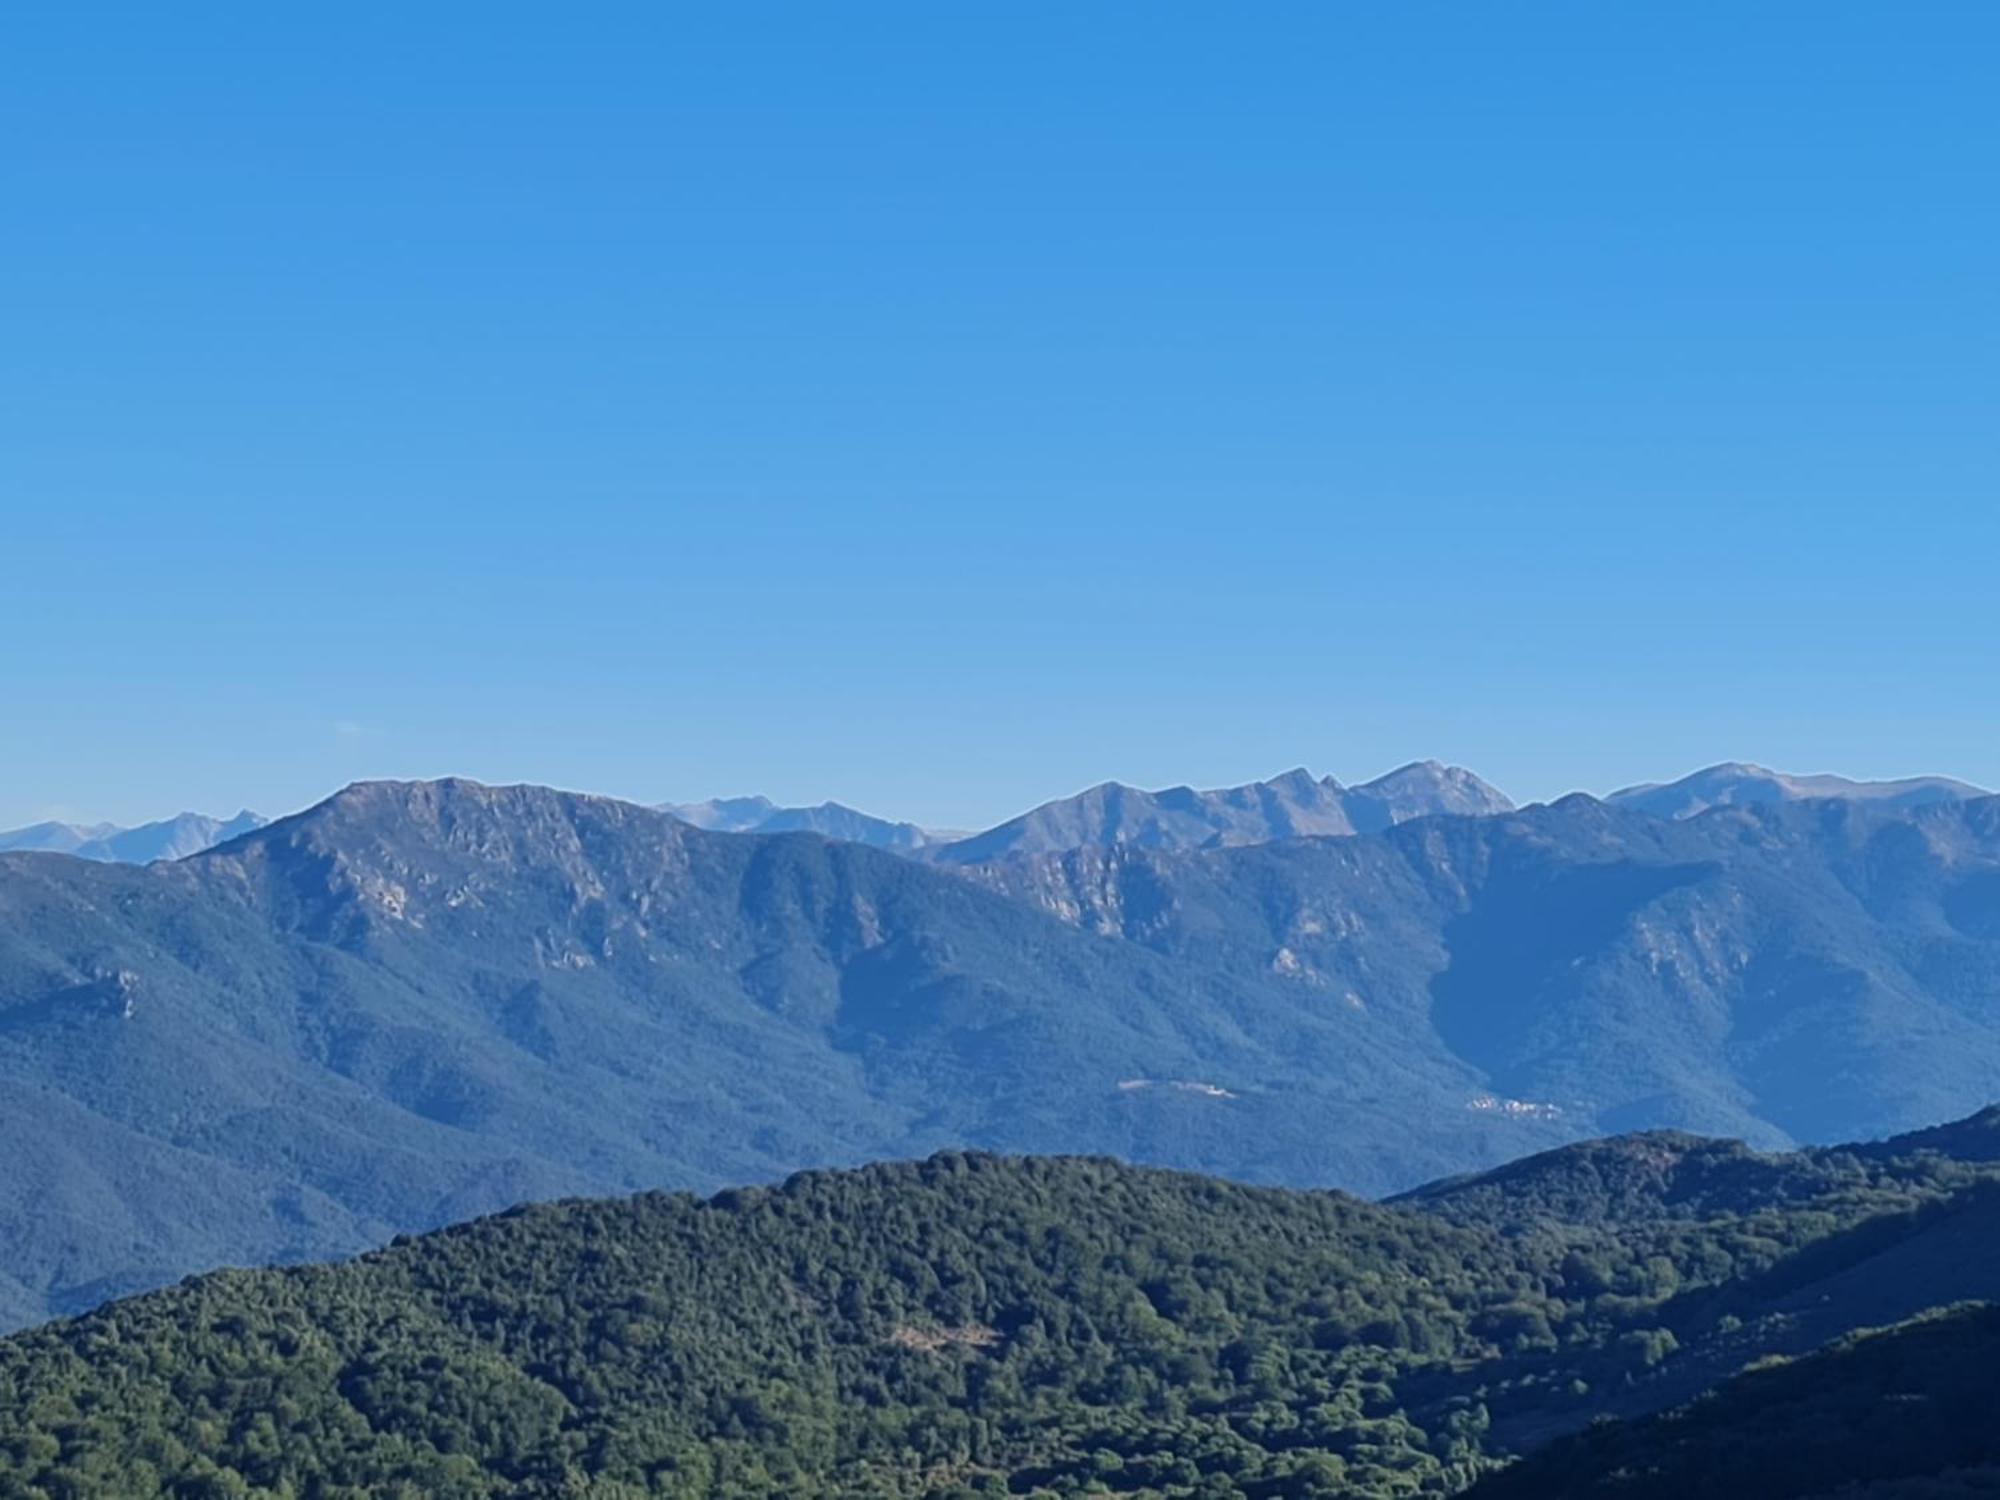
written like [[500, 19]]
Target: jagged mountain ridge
[[1294, 805], [1757, 972]]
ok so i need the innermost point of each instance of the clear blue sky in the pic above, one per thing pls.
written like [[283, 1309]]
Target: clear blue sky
[[945, 406]]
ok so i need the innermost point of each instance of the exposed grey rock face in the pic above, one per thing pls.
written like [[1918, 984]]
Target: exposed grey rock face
[[1777, 972], [171, 838], [1735, 784], [1294, 805]]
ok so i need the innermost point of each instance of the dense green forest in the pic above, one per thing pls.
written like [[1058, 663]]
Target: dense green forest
[[974, 1325]]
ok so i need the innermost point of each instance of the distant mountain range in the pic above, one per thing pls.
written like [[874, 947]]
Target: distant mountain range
[[1293, 805], [171, 838], [420, 1001]]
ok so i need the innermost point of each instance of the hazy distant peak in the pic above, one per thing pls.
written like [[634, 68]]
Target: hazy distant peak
[[726, 814], [54, 837], [832, 820], [170, 838], [1740, 783]]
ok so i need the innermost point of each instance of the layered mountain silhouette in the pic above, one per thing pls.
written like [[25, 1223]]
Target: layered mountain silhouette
[[421, 1001], [1294, 805], [1734, 784], [170, 838]]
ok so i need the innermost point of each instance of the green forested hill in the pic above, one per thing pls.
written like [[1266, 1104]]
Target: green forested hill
[[966, 1325]]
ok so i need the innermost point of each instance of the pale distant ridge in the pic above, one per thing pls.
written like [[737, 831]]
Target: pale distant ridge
[[170, 838], [1737, 784], [829, 819]]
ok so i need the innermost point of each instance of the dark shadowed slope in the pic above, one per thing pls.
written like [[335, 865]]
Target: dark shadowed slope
[[1905, 1413]]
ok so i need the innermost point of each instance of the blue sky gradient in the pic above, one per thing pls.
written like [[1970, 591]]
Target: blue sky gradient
[[943, 407]]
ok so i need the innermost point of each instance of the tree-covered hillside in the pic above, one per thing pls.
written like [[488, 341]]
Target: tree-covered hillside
[[963, 1326]]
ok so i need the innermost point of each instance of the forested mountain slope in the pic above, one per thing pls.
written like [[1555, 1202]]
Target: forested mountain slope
[[963, 1326]]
